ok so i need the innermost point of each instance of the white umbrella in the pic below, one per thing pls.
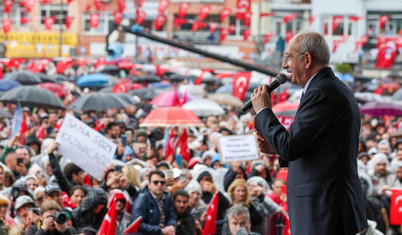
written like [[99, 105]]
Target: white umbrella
[[204, 107]]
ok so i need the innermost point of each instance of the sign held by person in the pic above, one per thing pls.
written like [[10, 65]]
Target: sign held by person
[[238, 148], [84, 146]]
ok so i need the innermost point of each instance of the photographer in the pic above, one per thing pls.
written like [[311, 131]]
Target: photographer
[[53, 221]]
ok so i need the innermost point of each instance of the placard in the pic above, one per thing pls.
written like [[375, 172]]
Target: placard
[[84, 146], [238, 148]]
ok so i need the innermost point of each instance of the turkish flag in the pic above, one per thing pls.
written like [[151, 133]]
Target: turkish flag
[[354, 18], [6, 24], [311, 19], [63, 65], [58, 124], [98, 4], [99, 126], [69, 20], [267, 37], [14, 63], [386, 55], [94, 20], [24, 20], [360, 43], [163, 5], [243, 6], [41, 133], [108, 226], [120, 88], [121, 5], [170, 148], [225, 13], [336, 20], [247, 18], [396, 207], [197, 25], [29, 4], [224, 32], [133, 227], [117, 17], [212, 211], [183, 7], [48, 22], [289, 17], [159, 21], [87, 180], [140, 16], [69, 1], [179, 21], [289, 35], [183, 145], [240, 84], [204, 11], [383, 19], [246, 34], [264, 14], [213, 26], [7, 6], [283, 96], [198, 81], [45, 1], [140, 3], [87, 7]]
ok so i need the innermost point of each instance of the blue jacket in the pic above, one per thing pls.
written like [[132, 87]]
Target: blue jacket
[[145, 205]]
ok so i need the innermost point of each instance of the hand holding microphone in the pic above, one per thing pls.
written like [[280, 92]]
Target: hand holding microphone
[[263, 92]]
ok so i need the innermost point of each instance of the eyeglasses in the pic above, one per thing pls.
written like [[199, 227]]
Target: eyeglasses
[[156, 182]]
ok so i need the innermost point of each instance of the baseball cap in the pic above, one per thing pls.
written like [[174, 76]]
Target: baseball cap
[[22, 200], [52, 188]]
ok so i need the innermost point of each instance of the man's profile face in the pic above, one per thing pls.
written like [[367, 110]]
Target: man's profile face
[[239, 221], [181, 204], [293, 64]]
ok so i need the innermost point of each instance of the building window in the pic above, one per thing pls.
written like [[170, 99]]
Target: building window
[[239, 26], [105, 25], [14, 14], [345, 27], [57, 11]]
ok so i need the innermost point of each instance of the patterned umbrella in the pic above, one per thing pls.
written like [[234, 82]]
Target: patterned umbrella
[[377, 109]]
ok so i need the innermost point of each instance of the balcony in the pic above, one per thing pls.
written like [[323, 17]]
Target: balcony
[[200, 37]]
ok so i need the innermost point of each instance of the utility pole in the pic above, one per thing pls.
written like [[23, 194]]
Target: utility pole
[[61, 17]]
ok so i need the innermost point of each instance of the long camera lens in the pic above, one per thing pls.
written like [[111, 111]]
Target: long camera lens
[[60, 217]]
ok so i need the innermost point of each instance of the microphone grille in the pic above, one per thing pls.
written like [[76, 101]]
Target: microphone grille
[[281, 78]]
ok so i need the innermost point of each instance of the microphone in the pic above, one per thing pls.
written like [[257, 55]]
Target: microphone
[[279, 80]]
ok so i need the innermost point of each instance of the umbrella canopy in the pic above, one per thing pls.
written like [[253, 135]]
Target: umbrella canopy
[[45, 78], [33, 96], [93, 80], [53, 87], [377, 109], [397, 96], [98, 101], [24, 77], [126, 97], [285, 109], [148, 78], [4, 113], [171, 117], [204, 107], [61, 78], [108, 69], [6, 84], [226, 99], [169, 98], [175, 77]]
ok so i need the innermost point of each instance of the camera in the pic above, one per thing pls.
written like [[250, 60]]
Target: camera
[[60, 217]]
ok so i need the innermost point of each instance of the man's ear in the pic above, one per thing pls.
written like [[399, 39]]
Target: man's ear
[[308, 59]]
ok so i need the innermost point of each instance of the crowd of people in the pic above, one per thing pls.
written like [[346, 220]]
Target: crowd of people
[[43, 192]]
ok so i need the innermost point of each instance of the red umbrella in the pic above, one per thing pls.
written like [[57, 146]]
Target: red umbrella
[[285, 109], [171, 117], [53, 87], [170, 98]]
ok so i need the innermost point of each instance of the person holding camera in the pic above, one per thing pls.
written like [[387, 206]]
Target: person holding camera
[[53, 221]]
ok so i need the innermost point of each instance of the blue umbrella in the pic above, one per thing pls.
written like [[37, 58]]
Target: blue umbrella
[[93, 80], [159, 85], [6, 85]]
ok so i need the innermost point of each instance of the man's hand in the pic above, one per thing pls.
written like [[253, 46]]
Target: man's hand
[[47, 223], [236, 165], [260, 98], [14, 141], [21, 169], [114, 180], [264, 146], [169, 230], [51, 147]]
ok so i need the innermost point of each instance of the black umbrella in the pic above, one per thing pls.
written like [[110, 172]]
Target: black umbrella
[[146, 78], [175, 77], [98, 101], [24, 77], [33, 96], [140, 92], [106, 89], [46, 78], [4, 113], [153, 93], [109, 69], [127, 98], [59, 78]]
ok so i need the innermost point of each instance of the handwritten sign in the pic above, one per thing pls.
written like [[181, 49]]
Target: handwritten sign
[[238, 148], [87, 148]]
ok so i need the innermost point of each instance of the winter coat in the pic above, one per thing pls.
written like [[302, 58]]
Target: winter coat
[[185, 223]]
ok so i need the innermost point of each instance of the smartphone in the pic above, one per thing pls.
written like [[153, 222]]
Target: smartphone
[[124, 140], [183, 177], [20, 161], [169, 174], [34, 210]]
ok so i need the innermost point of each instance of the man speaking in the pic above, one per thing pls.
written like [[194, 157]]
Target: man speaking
[[324, 190]]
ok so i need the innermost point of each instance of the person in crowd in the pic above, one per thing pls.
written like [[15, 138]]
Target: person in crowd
[[22, 206], [91, 211], [239, 220], [185, 222], [197, 206], [39, 195], [49, 225], [382, 178], [239, 194], [310, 137], [397, 155], [32, 183], [259, 169], [123, 218], [155, 206], [236, 171], [54, 193], [6, 221], [2, 177], [77, 194]]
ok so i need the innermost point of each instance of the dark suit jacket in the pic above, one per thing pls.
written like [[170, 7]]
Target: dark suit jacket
[[324, 190]]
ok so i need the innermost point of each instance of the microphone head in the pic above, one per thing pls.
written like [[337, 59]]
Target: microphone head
[[281, 78]]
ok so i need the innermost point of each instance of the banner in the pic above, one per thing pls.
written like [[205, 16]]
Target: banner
[[240, 84], [238, 148], [87, 148]]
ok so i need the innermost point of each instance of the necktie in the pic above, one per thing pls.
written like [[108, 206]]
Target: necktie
[[301, 97]]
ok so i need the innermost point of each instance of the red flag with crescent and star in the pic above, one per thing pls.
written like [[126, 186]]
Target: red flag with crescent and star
[[240, 84], [396, 207], [210, 224]]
